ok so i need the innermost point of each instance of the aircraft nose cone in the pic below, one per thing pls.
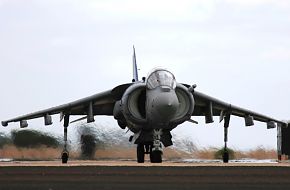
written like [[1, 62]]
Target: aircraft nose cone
[[166, 106]]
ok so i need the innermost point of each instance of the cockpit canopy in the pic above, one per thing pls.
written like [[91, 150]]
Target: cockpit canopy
[[160, 77]]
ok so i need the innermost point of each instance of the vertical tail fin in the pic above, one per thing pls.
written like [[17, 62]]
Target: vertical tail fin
[[135, 69]]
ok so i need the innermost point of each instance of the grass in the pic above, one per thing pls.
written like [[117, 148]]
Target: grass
[[35, 145], [50, 153], [258, 153], [40, 153]]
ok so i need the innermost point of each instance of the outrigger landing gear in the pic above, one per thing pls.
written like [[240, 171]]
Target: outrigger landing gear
[[226, 155], [225, 151], [64, 156], [65, 153]]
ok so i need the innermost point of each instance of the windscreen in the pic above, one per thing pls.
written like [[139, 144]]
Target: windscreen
[[161, 77]]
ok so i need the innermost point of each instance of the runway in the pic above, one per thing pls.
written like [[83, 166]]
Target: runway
[[130, 175]]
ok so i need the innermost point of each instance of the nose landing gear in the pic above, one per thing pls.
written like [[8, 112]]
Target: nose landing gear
[[155, 148], [156, 156]]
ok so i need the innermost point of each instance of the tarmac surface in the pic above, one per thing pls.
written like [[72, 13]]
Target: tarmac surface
[[130, 175]]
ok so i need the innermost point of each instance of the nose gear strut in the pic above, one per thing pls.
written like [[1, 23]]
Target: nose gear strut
[[157, 147], [153, 147]]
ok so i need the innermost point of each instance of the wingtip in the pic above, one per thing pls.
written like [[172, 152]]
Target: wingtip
[[4, 123]]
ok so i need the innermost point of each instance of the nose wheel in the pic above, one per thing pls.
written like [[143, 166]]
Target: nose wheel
[[155, 148], [156, 156]]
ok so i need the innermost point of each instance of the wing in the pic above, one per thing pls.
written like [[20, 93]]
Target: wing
[[99, 104], [208, 106]]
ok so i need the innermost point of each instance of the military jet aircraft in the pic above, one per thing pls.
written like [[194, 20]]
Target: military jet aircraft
[[150, 108]]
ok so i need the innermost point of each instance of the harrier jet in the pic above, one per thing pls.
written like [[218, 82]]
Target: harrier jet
[[150, 108]]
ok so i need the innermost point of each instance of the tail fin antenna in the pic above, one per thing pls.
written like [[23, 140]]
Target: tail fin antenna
[[135, 69]]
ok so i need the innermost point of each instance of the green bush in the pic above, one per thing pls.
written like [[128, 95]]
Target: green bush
[[4, 140], [32, 139], [88, 146], [88, 141], [219, 153]]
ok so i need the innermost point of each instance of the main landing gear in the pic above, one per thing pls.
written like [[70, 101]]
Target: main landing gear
[[154, 149], [140, 153]]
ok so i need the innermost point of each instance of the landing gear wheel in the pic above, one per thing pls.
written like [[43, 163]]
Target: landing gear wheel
[[156, 157], [226, 156], [64, 157], [140, 153]]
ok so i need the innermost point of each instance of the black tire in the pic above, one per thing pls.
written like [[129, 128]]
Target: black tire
[[226, 157], [140, 153], [64, 157], [156, 157]]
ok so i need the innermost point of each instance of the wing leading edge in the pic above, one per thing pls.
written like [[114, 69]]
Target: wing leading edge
[[101, 104], [206, 105]]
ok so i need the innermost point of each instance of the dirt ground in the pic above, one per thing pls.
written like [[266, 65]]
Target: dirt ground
[[124, 163]]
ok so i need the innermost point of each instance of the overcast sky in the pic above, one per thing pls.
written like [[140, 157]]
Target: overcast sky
[[53, 52]]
